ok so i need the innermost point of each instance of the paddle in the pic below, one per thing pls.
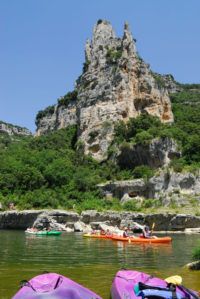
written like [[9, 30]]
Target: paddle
[[177, 280], [152, 228]]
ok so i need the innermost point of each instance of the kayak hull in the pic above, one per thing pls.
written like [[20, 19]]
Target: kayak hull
[[55, 286], [125, 281], [97, 236], [44, 233], [143, 240]]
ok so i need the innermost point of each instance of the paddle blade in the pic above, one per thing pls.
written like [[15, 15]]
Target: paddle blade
[[176, 279]]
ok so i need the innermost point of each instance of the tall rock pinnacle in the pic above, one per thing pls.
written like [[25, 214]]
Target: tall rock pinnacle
[[116, 84]]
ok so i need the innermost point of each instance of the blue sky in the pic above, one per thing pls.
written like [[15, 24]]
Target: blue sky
[[42, 45]]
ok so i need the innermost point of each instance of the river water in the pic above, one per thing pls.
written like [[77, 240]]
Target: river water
[[91, 262]]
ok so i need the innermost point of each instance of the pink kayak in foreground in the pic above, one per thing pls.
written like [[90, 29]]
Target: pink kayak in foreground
[[53, 286], [131, 284]]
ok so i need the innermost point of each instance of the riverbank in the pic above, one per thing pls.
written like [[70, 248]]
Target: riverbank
[[72, 221]]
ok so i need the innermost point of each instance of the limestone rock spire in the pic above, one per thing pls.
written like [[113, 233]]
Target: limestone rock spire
[[102, 33], [128, 43], [115, 86]]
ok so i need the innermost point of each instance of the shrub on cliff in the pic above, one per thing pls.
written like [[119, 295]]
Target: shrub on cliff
[[143, 171], [113, 55], [66, 99], [143, 138], [143, 123], [43, 113], [160, 82]]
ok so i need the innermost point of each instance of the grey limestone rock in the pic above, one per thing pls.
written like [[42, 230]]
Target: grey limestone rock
[[115, 85], [18, 219], [158, 153], [93, 219], [194, 265], [166, 186], [13, 130], [61, 117], [80, 226]]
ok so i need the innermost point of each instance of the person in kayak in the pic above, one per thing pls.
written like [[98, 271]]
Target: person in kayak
[[146, 233], [125, 232], [102, 232], [108, 233]]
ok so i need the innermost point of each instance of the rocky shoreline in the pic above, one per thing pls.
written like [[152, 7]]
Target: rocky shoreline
[[72, 221]]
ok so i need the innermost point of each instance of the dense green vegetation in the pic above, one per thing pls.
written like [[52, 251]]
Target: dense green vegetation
[[185, 129], [51, 170], [113, 55], [187, 123], [159, 80]]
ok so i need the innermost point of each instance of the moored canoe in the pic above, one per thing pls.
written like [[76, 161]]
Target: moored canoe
[[55, 286], [44, 233], [133, 285]]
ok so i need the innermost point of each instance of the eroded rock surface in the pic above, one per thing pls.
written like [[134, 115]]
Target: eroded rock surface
[[166, 186], [88, 220], [13, 130], [158, 153], [116, 84]]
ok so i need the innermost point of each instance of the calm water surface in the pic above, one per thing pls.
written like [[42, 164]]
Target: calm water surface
[[91, 262]]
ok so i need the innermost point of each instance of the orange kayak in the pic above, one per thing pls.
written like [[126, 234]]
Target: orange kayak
[[98, 236], [143, 240]]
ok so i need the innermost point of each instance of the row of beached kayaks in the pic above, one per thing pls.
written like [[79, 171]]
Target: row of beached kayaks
[[127, 284], [131, 239]]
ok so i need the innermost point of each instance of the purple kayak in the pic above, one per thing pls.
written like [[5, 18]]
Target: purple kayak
[[129, 284], [53, 286]]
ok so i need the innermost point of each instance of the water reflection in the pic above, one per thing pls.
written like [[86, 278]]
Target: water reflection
[[92, 262]]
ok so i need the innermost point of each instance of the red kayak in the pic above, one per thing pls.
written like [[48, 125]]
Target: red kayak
[[153, 239], [98, 236]]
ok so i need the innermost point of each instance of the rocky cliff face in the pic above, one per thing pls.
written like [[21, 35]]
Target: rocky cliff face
[[115, 85], [91, 219], [13, 130], [167, 187], [158, 153], [58, 117]]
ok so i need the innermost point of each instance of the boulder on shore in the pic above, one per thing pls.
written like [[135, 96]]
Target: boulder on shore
[[194, 265]]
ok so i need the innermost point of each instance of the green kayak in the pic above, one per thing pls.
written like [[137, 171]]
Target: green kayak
[[44, 233], [49, 233]]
